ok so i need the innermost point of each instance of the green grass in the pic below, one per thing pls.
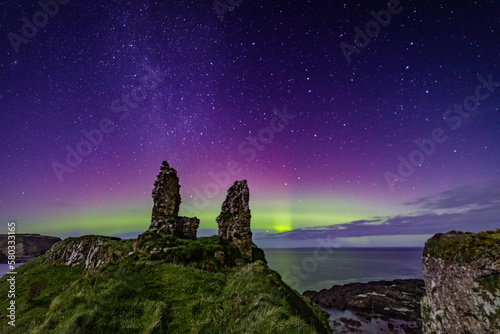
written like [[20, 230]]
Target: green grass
[[152, 293], [490, 283]]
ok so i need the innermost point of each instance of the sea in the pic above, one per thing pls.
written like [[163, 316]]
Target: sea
[[315, 269], [4, 268]]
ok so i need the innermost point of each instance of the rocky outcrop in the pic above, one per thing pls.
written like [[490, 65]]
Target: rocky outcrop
[[166, 203], [394, 303], [462, 276], [28, 246], [90, 250], [234, 219]]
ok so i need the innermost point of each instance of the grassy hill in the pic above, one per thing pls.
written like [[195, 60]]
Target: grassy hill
[[155, 284]]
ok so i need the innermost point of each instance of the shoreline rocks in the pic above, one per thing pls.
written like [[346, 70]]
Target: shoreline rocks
[[393, 305]]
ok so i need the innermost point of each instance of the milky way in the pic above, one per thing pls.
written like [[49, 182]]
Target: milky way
[[333, 112]]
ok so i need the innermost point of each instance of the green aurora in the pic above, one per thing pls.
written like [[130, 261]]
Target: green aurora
[[270, 214]]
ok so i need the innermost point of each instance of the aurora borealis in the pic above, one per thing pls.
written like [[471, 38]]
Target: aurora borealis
[[104, 91]]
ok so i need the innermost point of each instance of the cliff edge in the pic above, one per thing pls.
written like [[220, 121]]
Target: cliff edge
[[462, 278], [27, 246]]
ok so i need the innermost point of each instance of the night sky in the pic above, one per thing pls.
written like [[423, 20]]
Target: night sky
[[347, 123]]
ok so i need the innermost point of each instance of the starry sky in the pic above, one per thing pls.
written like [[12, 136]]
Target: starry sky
[[365, 123]]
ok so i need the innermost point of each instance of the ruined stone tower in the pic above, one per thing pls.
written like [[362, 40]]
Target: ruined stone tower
[[166, 203], [234, 219]]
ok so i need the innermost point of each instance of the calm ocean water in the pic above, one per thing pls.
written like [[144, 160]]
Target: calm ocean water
[[4, 268], [343, 265]]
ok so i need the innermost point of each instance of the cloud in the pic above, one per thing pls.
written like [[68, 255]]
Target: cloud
[[461, 198], [465, 208]]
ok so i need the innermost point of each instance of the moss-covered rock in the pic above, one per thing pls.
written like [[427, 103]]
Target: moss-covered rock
[[461, 247], [208, 253]]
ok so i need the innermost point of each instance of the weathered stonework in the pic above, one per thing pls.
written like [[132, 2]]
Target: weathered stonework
[[234, 219], [187, 227], [166, 195], [166, 203], [462, 279]]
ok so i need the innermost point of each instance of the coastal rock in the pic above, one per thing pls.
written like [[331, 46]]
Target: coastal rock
[[166, 203], [394, 303], [28, 246], [462, 275], [91, 251], [234, 219]]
